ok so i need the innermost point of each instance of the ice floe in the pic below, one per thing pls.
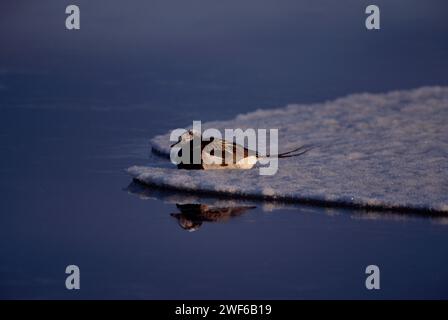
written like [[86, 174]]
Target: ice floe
[[386, 150]]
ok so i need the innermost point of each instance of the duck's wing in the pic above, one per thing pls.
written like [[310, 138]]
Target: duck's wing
[[222, 150]]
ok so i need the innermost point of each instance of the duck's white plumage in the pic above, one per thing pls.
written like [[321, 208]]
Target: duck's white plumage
[[233, 155]]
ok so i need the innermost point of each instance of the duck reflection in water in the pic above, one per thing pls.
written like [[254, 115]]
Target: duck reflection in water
[[192, 216], [194, 209]]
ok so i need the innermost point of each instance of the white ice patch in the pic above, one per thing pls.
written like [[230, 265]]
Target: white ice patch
[[382, 150]]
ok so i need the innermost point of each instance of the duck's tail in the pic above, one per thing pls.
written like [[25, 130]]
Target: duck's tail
[[292, 153]]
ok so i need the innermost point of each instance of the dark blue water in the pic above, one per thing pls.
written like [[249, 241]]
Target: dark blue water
[[78, 107]]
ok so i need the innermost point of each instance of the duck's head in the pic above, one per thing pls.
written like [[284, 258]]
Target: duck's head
[[186, 223], [187, 136]]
